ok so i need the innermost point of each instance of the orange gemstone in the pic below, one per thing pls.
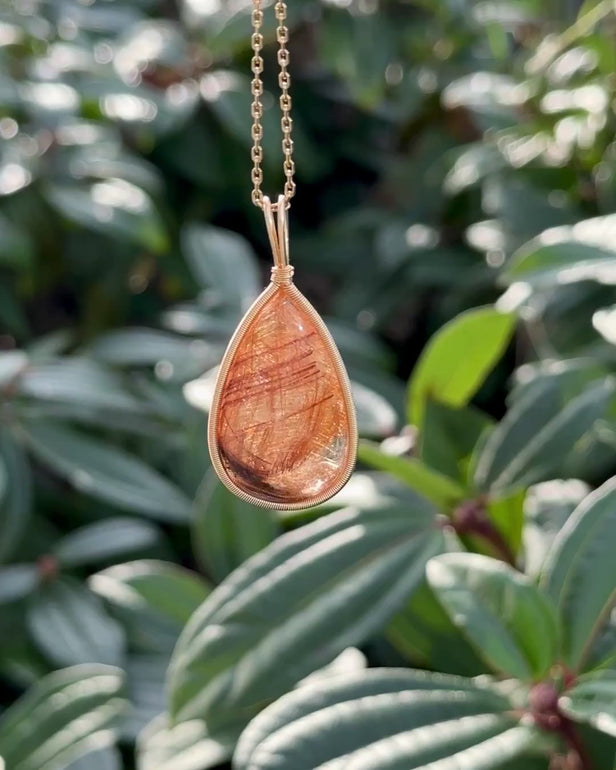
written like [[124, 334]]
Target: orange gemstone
[[282, 423]]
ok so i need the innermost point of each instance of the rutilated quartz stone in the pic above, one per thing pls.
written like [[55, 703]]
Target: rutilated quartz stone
[[283, 428]]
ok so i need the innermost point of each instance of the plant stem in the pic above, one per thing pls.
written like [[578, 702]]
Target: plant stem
[[471, 518], [490, 534], [567, 730]]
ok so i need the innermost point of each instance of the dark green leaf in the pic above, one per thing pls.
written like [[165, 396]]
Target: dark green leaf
[[227, 94], [153, 599], [12, 365], [107, 758], [226, 530], [511, 625], [63, 717], [440, 489], [79, 380], [585, 251], [145, 678], [113, 207], [174, 358], [472, 164], [186, 746], [579, 573], [16, 247], [70, 625], [425, 636], [294, 606], [147, 112], [16, 500], [533, 440], [349, 661], [391, 719], [112, 538], [224, 264], [547, 507], [449, 437], [106, 472], [17, 581], [457, 360], [592, 699], [358, 348], [376, 417]]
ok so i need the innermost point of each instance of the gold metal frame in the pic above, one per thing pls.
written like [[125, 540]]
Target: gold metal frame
[[282, 274]]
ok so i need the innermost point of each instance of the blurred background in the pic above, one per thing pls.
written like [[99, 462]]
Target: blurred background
[[433, 139]]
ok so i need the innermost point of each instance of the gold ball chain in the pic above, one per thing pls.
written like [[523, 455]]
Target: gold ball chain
[[256, 109]]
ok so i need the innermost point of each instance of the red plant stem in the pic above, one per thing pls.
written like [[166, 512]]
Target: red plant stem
[[489, 533], [470, 518], [572, 739]]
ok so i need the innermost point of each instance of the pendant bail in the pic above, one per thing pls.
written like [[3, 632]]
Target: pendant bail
[[278, 232]]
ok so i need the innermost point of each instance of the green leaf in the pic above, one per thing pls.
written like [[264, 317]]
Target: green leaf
[[171, 50], [533, 440], [294, 606], [145, 675], [585, 251], [12, 312], [227, 531], [224, 264], [439, 489], [509, 622], [187, 746], [12, 365], [227, 94], [600, 746], [456, 361], [153, 600], [572, 375], [176, 358], [110, 539], [16, 500], [69, 625], [391, 719], [16, 247], [506, 512], [360, 349], [546, 508], [348, 662], [449, 437], [579, 573], [4, 481], [592, 699], [471, 164], [106, 472], [375, 415], [604, 322], [107, 758], [98, 161], [17, 581], [425, 636], [112, 207], [80, 380], [147, 112], [603, 651], [63, 717]]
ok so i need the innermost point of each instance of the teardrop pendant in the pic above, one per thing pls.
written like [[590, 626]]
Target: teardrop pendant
[[282, 431]]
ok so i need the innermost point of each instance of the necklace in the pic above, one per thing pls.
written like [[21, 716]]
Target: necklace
[[282, 431]]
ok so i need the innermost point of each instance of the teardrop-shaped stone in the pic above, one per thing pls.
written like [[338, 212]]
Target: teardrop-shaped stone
[[282, 423]]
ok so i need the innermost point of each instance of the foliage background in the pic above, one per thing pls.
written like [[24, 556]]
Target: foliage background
[[450, 155]]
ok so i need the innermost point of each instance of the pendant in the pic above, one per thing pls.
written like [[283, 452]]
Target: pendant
[[282, 431]]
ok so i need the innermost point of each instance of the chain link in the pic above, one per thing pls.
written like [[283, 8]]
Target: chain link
[[256, 109]]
